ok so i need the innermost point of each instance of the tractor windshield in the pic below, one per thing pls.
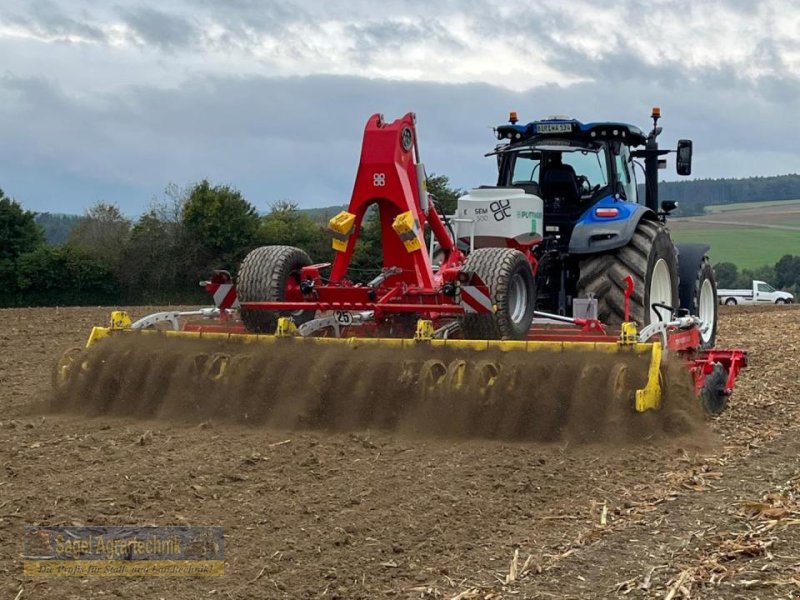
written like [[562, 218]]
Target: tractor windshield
[[553, 169]]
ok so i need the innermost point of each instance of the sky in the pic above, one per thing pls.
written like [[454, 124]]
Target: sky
[[116, 100]]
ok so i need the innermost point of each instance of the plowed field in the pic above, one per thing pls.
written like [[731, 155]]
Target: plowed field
[[370, 514]]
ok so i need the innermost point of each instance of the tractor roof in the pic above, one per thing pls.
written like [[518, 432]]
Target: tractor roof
[[566, 128]]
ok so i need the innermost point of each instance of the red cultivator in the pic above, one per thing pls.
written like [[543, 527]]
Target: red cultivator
[[487, 289]]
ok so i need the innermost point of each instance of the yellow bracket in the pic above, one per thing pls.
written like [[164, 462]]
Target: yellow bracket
[[120, 320], [342, 226], [649, 397], [286, 328], [628, 334], [424, 331], [406, 226]]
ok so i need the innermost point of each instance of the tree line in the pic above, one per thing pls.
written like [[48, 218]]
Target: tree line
[[161, 256], [694, 195], [784, 274]]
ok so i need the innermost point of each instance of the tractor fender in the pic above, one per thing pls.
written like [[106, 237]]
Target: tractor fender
[[591, 236], [690, 257]]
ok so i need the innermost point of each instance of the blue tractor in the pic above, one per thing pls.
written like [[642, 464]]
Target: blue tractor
[[597, 228]]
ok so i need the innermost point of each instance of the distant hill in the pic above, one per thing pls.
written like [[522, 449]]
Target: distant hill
[[323, 215], [56, 227], [694, 195]]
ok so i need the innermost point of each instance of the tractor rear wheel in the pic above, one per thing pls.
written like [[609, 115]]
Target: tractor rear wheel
[[271, 274], [650, 258], [509, 276]]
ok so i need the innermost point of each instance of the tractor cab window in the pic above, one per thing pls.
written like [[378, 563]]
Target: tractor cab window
[[625, 176], [526, 168], [563, 171], [557, 169], [572, 173]]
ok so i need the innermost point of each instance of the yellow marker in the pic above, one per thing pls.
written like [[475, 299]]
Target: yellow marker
[[286, 327], [424, 331], [120, 320], [406, 226], [342, 226], [628, 334]]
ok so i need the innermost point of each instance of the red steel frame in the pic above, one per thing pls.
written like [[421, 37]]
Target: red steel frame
[[386, 178]]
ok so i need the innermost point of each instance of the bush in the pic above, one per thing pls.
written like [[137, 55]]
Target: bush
[[63, 276]]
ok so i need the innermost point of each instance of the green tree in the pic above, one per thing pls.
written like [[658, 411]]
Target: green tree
[[64, 275], [18, 229], [221, 222], [367, 260], [102, 232], [285, 224], [763, 273], [163, 262], [19, 234], [445, 197], [787, 271], [726, 274]]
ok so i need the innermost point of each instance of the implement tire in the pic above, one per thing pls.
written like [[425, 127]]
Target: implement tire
[[509, 277], [705, 303], [269, 274], [650, 258]]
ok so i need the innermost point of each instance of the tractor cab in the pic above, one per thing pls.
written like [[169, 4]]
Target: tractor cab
[[569, 164], [583, 172]]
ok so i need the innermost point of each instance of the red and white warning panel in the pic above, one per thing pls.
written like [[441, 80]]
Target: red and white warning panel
[[476, 299], [222, 289]]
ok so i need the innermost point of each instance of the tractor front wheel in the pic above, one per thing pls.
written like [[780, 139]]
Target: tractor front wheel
[[271, 274], [509, 276], [651, 260]]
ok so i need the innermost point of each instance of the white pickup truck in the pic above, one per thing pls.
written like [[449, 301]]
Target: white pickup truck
[[762, 293]]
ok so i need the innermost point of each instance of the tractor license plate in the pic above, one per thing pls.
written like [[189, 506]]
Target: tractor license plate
[[554, 128]]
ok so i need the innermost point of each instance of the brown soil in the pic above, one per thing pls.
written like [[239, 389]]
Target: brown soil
[[405, 514]]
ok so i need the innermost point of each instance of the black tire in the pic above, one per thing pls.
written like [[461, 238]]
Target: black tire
[[507, 273], [705, 273], [712, 394], [730, 302], [603, 275], [780, 301], [262, 278]]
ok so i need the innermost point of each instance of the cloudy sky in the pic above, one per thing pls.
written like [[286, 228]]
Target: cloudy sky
[[114, 100]]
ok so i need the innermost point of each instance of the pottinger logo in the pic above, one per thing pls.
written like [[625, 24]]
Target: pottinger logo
[[501, 209]]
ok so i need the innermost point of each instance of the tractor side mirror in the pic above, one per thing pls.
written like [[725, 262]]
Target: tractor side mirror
[[667, 206], [684, 162]]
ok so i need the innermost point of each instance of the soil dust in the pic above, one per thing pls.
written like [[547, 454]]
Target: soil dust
[[582, 397]]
